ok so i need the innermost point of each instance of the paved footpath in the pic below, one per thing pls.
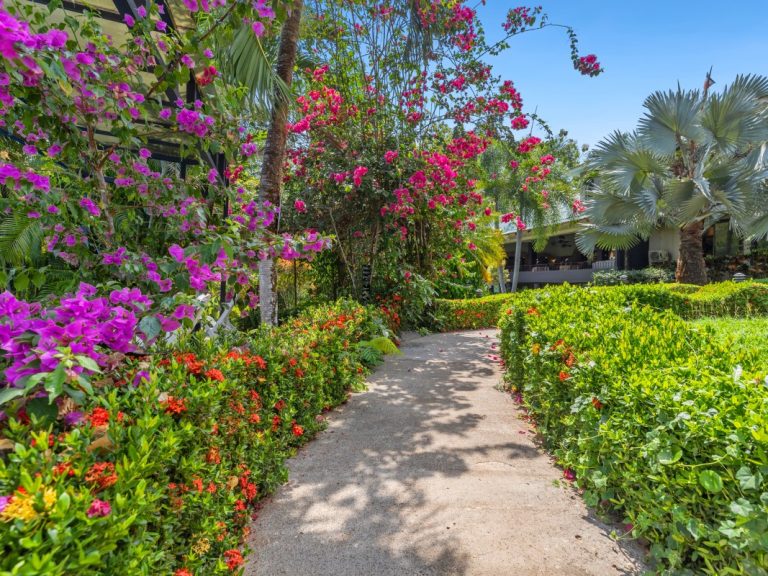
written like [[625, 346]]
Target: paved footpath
[[431, 472]]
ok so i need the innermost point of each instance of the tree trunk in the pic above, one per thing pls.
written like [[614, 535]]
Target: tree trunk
[[691, 268], [274, 154], [518, 255], [500, 268], [502, 283]]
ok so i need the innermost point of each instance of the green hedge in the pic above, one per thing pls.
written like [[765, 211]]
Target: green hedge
[[689, 301], [160, 478], [470, 313], [644, 276], [657, 419]]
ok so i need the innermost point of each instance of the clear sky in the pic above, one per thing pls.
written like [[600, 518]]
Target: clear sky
[[643, 45]]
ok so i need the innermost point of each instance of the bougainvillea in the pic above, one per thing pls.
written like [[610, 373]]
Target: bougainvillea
[[119, 182], [386, 147]]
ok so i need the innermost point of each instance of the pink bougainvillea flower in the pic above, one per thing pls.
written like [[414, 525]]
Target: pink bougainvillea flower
[[300, 206], [358, 173]]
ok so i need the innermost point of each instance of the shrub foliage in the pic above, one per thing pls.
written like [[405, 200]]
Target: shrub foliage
[[655, 418], [156, 473]]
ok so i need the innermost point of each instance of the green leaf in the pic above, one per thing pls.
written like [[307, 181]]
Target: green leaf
[[711, 481], [150, 326], [742, 507], [54, 383], [88, 363], [42, 409], [8, 394], [670, 455], [747, 480]]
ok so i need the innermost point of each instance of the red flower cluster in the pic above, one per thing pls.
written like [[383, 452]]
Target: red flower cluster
[[233, 559], [207, 76], [194, 366], [215, 374], [102, 475], [174, 405], [247, 359], [99, 417]]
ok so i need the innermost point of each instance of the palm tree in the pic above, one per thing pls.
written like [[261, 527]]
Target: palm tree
[[274, 150], [694, 159]]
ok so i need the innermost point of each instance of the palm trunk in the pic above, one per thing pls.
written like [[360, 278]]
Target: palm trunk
[[691, 268], [518, 256], [500, 268], [274, 154]]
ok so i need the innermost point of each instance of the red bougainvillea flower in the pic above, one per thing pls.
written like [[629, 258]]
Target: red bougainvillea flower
[[532, 311], [563, 376], [215, 374], [182, 572], [296, 429], [233, 559], [569, 475], [596, 403]]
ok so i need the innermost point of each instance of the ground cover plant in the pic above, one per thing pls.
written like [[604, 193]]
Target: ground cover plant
[[657, 419], [159, 471]]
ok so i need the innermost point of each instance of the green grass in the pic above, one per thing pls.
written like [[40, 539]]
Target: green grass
[[748, 337]]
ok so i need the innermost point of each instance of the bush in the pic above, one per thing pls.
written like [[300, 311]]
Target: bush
[[655, 419], [471, 313], [157, 472], [644, 276]]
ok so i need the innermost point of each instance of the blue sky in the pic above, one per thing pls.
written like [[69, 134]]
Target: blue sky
[[643, 45]]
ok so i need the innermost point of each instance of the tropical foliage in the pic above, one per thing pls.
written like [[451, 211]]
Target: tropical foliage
[[157, 471], [697, 157], [674, 443]]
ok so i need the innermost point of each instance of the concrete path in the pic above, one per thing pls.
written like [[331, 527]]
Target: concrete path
[[431, 472]]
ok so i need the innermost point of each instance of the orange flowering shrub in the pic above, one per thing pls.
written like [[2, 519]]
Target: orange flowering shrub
[[161, 477]]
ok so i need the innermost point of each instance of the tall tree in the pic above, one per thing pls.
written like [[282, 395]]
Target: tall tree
[[274, 151], [530, 181], [695, 158]]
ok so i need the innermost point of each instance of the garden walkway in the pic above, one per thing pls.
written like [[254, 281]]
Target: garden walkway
[[431, 472]]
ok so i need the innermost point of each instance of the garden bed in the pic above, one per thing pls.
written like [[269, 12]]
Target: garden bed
[[657, 418], [158, 471]]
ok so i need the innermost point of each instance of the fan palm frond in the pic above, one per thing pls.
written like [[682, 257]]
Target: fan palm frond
[[670, 117]]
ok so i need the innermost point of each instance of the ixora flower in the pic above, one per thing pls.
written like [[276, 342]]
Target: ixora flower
[[233, 559], [215, 374], [99, 509]]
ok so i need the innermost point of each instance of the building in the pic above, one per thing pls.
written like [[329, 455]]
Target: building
[[560, 261]]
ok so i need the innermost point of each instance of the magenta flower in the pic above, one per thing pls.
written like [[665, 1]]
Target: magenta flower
[[300, 206], [99, 509]]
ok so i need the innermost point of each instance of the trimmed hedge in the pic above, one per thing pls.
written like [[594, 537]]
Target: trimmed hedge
[[157, 474], [687, 300], [644, 276], [470, 313], [656, 419]]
